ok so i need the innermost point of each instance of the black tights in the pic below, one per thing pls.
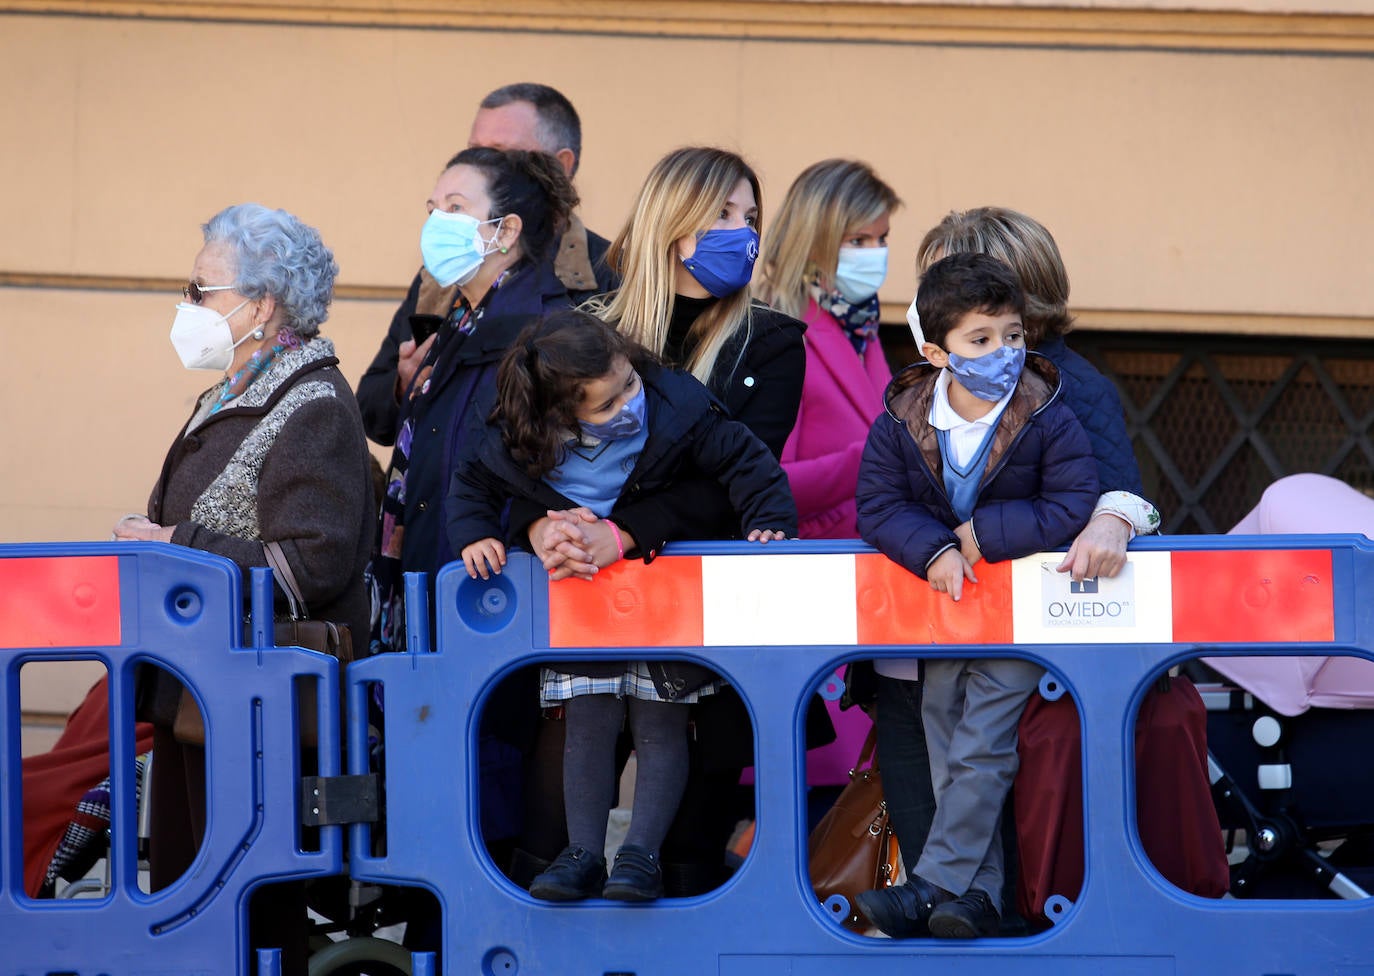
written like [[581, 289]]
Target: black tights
[[659, 730]]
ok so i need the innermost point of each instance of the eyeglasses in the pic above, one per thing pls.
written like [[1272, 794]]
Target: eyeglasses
[[194, 292]]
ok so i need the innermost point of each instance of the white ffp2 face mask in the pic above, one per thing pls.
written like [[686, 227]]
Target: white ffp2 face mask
[[860, 272], [202, 338]]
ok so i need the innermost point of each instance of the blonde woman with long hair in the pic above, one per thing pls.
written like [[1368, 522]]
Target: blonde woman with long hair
[[825, 259], [686, 258]]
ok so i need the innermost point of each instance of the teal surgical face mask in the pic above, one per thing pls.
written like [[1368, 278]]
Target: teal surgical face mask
[[860, 272], [452, 248]]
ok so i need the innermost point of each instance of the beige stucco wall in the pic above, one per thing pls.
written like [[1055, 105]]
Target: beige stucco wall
[[1197, 188]]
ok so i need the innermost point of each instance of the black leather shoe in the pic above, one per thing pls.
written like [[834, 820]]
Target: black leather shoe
[[970, 916], [902, 911], [575, 874], [635, 876]]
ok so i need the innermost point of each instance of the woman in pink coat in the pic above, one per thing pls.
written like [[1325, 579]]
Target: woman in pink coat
[[824, 261]]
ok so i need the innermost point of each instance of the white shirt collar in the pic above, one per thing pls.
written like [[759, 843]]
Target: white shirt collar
[[944, 417]]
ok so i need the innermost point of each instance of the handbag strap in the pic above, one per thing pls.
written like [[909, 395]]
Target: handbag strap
[[867, 752], [281, 572]]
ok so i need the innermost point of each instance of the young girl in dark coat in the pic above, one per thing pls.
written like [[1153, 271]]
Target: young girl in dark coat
[[585, 417]]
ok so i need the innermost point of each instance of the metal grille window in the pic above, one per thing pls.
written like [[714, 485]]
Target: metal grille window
[[1215, 419]]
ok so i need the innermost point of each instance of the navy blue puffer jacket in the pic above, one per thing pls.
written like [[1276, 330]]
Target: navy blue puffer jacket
[[1037, 493], [1097, 405]]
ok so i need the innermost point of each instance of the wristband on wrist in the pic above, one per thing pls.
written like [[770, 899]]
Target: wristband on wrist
[[619, 542]]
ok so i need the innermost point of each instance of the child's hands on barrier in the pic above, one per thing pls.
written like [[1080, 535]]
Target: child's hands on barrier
[[968, 546], [765, 536], [560, 543], [577, 543], [946, 574], [482, 554]]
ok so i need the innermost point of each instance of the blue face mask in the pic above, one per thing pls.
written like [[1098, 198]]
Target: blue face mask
[[992, 376], [452, 248], [723, 262], [627, 423]]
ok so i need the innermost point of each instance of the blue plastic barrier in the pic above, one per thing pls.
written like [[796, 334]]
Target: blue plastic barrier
[[793, 624], [122, 605], [775, 622]]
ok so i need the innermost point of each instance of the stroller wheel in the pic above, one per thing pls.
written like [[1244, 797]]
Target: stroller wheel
[[362, 956]]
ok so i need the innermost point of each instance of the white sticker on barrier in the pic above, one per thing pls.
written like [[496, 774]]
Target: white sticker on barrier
[[1134, 607], [779, 601]]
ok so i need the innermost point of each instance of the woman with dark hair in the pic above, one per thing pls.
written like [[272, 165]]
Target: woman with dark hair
[[488, 244]]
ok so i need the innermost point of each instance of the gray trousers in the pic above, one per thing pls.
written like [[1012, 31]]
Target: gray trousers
[[970, 710]]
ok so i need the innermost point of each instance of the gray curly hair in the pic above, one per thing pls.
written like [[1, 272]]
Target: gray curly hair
[[276, 254]]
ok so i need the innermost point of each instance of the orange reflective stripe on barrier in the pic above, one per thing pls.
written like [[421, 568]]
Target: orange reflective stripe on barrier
[[865, 599], [655, 605], [60, 601], [898, 607], [1257, 595]]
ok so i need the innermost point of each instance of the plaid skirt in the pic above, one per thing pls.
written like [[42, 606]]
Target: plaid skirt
[[634, 682]]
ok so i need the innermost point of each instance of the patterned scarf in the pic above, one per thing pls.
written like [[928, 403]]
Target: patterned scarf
[[859, 322], [257, 365], [386, 580]]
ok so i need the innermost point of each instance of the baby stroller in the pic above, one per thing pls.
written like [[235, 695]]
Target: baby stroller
[[1284, 737]]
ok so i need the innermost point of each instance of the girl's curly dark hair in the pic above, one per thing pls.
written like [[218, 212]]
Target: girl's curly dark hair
[[540, 381]]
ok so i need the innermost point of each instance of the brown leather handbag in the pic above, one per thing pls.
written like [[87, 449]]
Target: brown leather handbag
[[854, 847], [297, 630]]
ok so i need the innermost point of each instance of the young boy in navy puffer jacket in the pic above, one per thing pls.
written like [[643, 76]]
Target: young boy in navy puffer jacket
[[975, 458]]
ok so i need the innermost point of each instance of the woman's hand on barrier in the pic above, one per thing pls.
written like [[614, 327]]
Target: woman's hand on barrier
[[137, 528], [765, 536], [482, 554], [1099, 550], [946, 574]]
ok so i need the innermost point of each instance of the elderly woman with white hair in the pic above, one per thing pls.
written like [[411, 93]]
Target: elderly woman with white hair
[[274, 452]]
